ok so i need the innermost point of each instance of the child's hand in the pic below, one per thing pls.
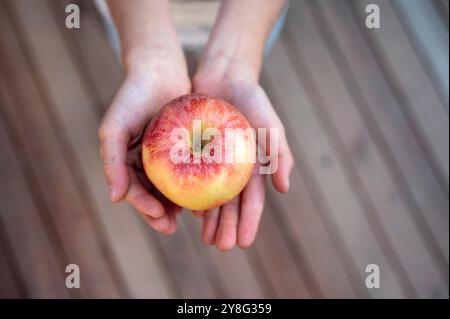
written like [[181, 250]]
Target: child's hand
[[147, 86], [237, 221]]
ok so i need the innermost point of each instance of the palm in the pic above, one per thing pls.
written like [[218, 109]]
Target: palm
[[121, 133], [237, 221]]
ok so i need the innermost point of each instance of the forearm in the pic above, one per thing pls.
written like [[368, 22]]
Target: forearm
[[240, 33], [146, 31]]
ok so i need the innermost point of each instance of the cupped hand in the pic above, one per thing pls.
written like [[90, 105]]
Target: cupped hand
[[237, 221], [145, 89]]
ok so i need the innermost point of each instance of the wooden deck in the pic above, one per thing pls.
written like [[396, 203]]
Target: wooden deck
[[366, 113]]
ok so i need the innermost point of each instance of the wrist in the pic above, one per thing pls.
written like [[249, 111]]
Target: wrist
[[231, 56], [146, 57], [157, 69], [159, 65], [238, 39], [222, 67]]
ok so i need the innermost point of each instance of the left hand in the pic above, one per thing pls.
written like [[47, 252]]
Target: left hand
[[237, 221]]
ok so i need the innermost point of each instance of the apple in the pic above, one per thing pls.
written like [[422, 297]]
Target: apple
[[199, 151]]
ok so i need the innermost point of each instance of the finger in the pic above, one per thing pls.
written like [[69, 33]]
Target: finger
[[285, 161], [252, 204], [141, 199], [209, 227], [163, 224], [280, 178], [172, 228], [172, 213], [227, 229], [169, 208]]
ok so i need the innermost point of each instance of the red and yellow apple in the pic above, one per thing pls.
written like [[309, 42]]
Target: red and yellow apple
[[212, 171]]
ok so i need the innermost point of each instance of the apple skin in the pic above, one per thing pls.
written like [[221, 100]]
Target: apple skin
[[197, 186]]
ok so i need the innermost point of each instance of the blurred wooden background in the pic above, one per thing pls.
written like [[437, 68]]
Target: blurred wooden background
[[366, 113]]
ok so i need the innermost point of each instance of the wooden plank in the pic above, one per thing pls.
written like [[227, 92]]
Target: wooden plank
[[445, 4], [92, 53], [255, 273], [50, 172], [429, 35], [301, 220], [380, 110], [356, 240], [244, 276], [190, 274], [306, 226], [442, 7], [305, 218], [138, 259], [274, 255], [238, 278], [36, 255], [194, 20], [9, 287], [406, 75], [309, 239], [191, 224], [362, 160]]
